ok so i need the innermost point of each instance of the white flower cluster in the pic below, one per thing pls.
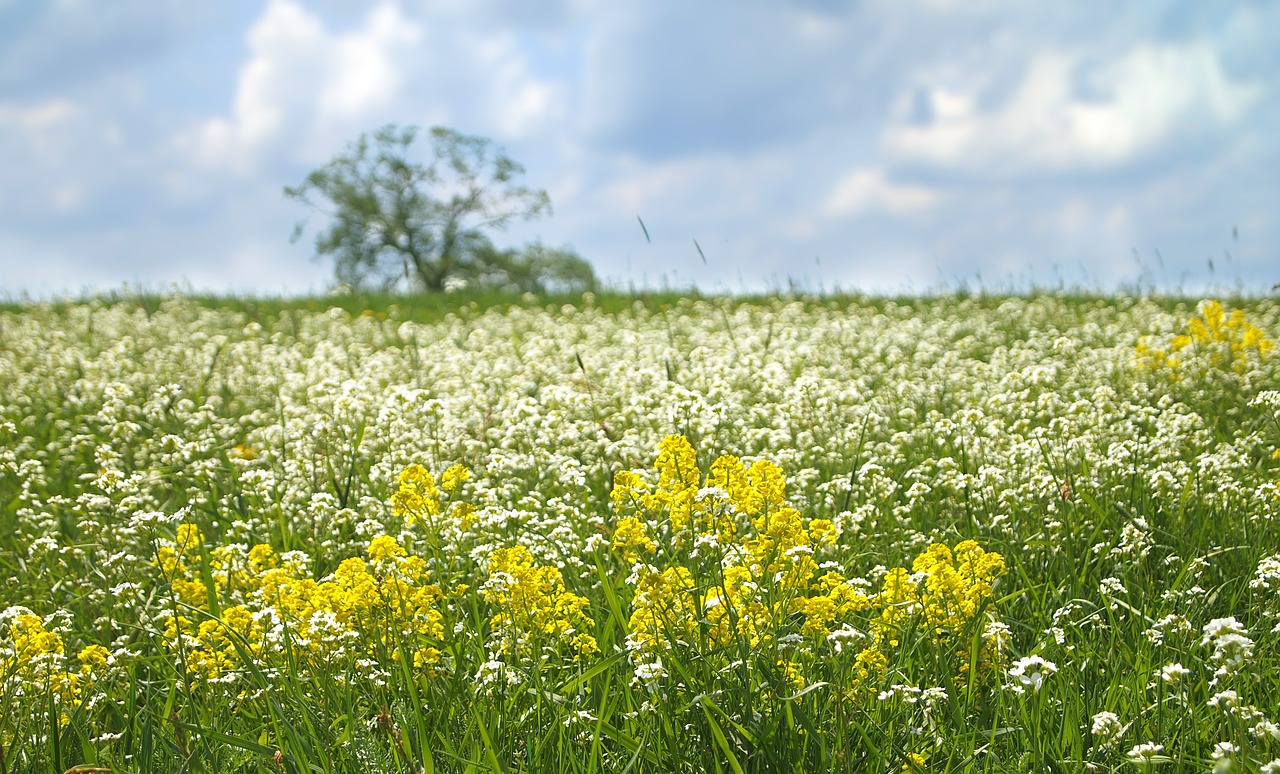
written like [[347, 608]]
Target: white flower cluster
[[1232, 649], [1023, 421], [1030, 672]]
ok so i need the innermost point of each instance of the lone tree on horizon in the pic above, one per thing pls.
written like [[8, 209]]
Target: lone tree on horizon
[[395, 221]]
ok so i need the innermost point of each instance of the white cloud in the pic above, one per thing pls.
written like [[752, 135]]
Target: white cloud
[[301, 80], [666, 78], [363, 75], [307, 88], [67, 198], [639, 189], [37, 117], [72, 44], [868, 189], [41, 130], [42, 153], [929, 138], [524, 105], [1129, 108], [700, 189]]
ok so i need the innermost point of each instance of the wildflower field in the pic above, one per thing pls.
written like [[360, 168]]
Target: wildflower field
[[943, 534]]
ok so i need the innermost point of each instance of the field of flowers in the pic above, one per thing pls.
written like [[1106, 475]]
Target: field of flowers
[[948, 534]]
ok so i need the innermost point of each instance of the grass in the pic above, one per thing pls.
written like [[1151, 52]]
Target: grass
[[432, 307], [148, 444]]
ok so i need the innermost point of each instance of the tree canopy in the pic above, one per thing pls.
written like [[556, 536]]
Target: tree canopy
[[395, 222]]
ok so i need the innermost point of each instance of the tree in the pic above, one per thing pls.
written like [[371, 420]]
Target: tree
[[538, 269], [396, 222]]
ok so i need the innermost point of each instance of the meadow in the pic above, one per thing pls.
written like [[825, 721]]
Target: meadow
[[958, 533]]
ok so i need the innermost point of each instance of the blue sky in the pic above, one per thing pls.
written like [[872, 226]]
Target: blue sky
[[887, 145]]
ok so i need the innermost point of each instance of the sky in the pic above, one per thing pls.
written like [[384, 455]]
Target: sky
[[875, 145]]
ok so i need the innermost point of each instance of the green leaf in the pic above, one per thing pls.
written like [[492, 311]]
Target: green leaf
[[717, 733], [489, 749]]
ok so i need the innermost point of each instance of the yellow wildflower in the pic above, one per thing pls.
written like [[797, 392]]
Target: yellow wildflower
[[822, 532], [463, 515], [261, 557], [870, 664], [768, 482], [389, 607], [728, 473], [1219, 339], [94, 657], [665, 610], [733, 608], [417, 496], [628, 490], [532, 601], [188, 540], [454, 477], [34, 662], [385, 548], [678, 479], [631, 534]]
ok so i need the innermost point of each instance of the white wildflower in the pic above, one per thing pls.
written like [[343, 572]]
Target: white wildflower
[[1224, 700], [1106, 726], [844, 637], [1147, 752], [1112, 587], [1031, 671], [1173, 674]]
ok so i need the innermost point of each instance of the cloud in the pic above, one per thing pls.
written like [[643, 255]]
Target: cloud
[[302, 80], [845, 142], [307, 88], [867, 189], [42, 181], [363, 75], [37, 118], [66, 44], [665, 79], [1068, 112]]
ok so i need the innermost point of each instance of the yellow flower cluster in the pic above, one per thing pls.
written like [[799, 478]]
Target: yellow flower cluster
[[532, 604], [174, 558], [266, 603], [764, 585], [1225, 340], [955, 584], [632, 536], [678, 481], [769, 570], [831, 599], [695, 508], [666, 610], [454, 477], [417, 498], [948, 588], [33, 664]]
